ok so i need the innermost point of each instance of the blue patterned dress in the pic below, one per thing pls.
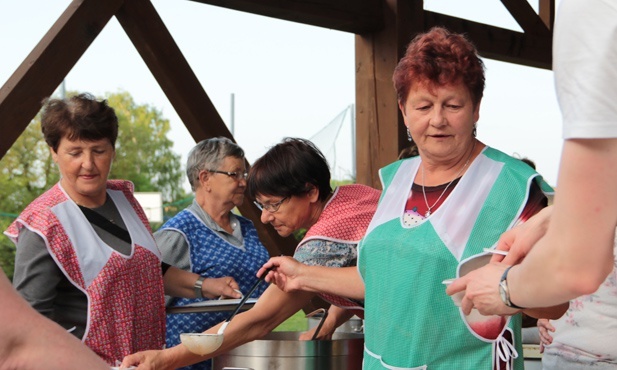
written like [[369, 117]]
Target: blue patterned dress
[[213, 257]]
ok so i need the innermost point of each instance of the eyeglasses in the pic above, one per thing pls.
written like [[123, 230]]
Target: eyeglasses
[[234, 175], [270, 207]]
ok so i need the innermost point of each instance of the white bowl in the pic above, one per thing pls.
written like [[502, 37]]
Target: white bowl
[[465, 267], [200, 343], [473, 263]]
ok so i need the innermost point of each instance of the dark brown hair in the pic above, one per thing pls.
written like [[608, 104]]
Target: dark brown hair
[[80, 117], [438, 58], [292, 167]]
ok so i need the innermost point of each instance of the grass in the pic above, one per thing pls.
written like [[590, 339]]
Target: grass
[[297, 322]]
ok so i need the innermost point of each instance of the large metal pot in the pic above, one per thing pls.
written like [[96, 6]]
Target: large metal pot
[[283, 351]]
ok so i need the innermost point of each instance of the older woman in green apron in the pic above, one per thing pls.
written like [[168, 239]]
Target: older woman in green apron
[[437, 210]]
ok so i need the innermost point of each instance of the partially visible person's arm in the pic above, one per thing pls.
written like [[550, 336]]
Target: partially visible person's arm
[[291, 275], [30, 341], [576, 254], [180, 283], [519, 240], [553, 312], [37, 275], [273, 307]]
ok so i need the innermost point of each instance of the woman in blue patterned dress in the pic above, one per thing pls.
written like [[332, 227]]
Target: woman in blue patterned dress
[[207, 238]]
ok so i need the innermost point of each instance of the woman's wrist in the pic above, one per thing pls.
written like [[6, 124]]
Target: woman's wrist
[[302, 278], [198, 287], [313, 278], [178, 356]]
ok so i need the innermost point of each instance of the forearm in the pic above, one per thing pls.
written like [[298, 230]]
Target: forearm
[[341, 281], [552, 313], [180, 283], [37, 275], [576, 254], [25, 338], [272, 308], [337, 316]]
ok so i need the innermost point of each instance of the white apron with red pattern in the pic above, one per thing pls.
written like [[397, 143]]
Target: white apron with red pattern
[[126, 310], [345, 219]]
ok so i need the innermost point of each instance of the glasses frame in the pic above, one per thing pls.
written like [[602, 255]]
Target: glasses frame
[[234, 175], [270, 207]]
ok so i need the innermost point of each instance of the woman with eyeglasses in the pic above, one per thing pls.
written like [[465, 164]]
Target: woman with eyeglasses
[[291, 185], [207, 238]]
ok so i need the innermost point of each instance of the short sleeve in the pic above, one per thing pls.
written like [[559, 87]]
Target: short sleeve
[[319, 252]]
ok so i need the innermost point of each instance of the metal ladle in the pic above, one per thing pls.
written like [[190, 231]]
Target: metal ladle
[[203, 343], [324, 313]]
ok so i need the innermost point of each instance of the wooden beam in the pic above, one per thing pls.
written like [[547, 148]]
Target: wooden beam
[[48, 63], [161, 54], [526, 17], [547, 13], [380, 131], [498, 43], [355, 16]]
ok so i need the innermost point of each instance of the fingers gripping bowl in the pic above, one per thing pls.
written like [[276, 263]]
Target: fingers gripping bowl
[[486, 327]]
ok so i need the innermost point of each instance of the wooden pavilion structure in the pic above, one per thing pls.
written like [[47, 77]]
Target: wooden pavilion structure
[[382, 29]]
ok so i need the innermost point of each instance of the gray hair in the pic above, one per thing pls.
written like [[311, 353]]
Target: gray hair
[[208, 154]]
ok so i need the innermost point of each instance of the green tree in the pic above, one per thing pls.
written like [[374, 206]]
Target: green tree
[[144, 155], [26, 170]]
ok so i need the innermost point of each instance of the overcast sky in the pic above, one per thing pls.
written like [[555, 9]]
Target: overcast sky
[[288, 79]]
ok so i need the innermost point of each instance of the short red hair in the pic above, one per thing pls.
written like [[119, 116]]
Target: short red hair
[[439, 58]]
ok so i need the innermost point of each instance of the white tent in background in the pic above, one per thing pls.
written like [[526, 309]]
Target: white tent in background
[[338, 149]]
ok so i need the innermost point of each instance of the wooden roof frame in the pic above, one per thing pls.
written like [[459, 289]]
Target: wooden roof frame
[[382, 28]]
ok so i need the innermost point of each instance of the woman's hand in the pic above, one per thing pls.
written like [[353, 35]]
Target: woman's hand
[[285, 273], [544, 327], [221, 287], [324, 333], [180, 283], [482, 290], [146, 360]]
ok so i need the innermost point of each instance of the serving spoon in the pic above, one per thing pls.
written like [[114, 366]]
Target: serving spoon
[[203, 343], [324, 314]]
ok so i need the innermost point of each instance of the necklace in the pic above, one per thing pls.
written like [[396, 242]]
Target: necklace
[[429, 208]]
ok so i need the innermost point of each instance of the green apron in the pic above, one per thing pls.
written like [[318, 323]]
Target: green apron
[[410, 322]]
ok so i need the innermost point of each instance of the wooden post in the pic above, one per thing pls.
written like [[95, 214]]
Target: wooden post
[[380, 131]]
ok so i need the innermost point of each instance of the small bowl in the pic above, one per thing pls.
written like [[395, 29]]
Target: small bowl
[[467, 266], [486, 327], [474, 263], [457, 298], [200, 343]]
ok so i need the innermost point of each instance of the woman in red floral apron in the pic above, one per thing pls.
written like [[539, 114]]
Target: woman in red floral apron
[[85, 254]]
